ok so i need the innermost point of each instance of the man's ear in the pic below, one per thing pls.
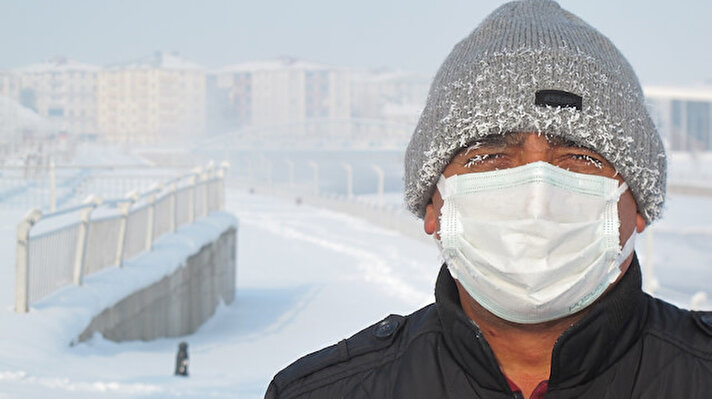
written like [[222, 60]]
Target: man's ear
[[639, 223], [430, 220]]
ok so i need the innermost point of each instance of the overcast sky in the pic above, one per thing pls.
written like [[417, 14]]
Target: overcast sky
[[666, 41]]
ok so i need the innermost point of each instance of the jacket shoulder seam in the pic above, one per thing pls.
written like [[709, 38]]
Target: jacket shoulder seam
[[363, 369], [680, 344]]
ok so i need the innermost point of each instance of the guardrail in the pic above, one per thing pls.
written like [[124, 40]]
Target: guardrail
[[62, 247], [51, 187]]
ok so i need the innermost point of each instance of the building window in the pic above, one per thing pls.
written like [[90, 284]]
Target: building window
[[698, 125]]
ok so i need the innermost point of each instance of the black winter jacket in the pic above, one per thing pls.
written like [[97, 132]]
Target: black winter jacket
[[629, 345]]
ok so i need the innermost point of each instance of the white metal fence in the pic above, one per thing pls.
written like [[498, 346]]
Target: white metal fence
[[51, 187], [62, 247]]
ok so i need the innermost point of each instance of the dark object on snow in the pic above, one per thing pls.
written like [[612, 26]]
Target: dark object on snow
[[182, 359]]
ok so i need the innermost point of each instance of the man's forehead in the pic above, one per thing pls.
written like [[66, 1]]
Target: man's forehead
[[517, 139]]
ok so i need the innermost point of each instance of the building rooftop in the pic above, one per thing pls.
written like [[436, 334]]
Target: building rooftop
[[58, 64], [695, 93], [274, 65], [159, 59], [385, 74]]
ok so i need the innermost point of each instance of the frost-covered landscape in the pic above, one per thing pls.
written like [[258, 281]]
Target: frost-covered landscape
[[304, 111], [306, 278]]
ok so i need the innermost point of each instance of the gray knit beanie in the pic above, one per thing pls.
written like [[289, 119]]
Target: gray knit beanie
[[531, 66]]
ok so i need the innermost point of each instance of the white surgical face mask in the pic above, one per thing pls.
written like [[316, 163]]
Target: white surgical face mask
[[532, 243]]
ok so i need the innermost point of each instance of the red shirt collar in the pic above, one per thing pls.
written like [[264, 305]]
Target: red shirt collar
[[538, 393]]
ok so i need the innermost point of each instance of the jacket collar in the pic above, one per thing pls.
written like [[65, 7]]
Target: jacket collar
[[611, 326]]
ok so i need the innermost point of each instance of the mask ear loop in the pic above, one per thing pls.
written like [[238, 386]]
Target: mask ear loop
[[629, 245], [442, 186], [619, 191]]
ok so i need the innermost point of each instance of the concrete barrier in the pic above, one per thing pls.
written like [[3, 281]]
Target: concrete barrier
[[177, 304]]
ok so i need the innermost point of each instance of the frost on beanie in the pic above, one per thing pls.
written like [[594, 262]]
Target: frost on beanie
[[532, 66]]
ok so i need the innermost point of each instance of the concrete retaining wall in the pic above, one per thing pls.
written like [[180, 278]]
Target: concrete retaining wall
[[179, 303]]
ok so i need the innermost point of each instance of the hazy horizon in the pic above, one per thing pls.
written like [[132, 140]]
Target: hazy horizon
[[660, 39]]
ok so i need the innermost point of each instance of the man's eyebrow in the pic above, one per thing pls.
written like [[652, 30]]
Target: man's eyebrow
[[493, 140], [562, 142], [514, 139]]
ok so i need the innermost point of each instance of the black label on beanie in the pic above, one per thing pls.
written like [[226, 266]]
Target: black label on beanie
[[558, 98]]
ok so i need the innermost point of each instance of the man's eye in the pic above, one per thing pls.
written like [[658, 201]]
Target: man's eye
[[479, 159], [588, 159]]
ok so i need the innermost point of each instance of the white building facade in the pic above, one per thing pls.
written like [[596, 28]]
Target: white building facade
[[62, 91], [156, 99], [387, 103], [282, 99]]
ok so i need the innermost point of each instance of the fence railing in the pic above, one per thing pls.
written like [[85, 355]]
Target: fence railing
[[62, 247], [50, 187]]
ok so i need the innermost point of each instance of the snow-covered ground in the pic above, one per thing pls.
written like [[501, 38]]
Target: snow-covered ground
[[306, 278]]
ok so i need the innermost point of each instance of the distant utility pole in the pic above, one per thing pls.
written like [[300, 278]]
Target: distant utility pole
[[315, 166], [349, 180], [381, 177]]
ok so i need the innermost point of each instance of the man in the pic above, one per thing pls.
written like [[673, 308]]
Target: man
[[534, 165]]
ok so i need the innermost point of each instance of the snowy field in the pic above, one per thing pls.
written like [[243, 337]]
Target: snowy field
[[306, 278]]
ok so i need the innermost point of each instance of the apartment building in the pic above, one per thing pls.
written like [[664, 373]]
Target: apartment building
[[281, 98], [9, 84], [61, 90], [393, 97], [159, 98], [683, 116]]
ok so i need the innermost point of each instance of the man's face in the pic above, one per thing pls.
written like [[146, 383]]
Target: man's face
[[517, 149]]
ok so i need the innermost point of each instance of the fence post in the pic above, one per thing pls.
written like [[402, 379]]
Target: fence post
[[650, 282], [173, 185], [222, 173], [315, 167], [381, 175], [22, 280], [268, 168], [124, 208], [193, 180], [349, 180], [290, 173], [82, 236], [52, 187], [207, 178], [151, 217]]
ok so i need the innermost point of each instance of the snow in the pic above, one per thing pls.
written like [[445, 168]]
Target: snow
[[274, 65], [59, 64], [160, 60], [306, 278], [699, 93], [690, 169], [16, 119], [390, 74], [297, 266]]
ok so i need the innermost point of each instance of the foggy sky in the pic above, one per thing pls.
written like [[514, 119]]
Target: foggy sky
[[664, 41]]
